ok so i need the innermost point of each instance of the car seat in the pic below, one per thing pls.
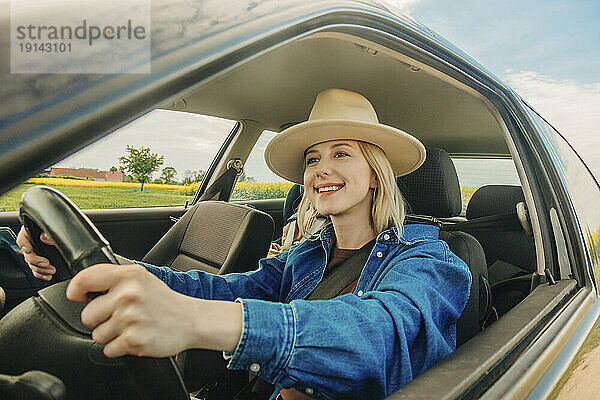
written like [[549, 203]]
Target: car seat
[[433, 190], [215, 237], [510, 255]]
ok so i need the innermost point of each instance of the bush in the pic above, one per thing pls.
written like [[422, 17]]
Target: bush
[[44, 175]]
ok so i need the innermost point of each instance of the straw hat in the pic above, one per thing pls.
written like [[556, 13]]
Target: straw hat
[[341, 114]]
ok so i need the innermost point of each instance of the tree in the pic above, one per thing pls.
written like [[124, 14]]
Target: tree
[[113, 168], [168, 173], [245, 178], [140, 163], [192, 176]]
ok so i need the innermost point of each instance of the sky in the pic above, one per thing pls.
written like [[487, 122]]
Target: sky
[[547, 51]]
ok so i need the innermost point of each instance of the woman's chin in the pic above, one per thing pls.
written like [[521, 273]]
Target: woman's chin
[[326, 211]]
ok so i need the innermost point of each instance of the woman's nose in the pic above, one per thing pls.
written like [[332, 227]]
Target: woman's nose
[[322, 169]]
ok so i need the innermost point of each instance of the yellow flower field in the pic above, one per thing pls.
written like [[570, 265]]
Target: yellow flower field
[[243, 190], [91, 183]]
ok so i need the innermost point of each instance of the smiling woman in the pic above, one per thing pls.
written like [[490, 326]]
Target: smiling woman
[[396, 328]]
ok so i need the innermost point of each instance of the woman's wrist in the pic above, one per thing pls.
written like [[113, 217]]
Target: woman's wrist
[[218, 325]]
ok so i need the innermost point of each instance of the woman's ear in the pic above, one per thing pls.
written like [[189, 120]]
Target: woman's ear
[[374, 182]]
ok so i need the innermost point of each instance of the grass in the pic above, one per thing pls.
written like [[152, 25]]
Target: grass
[[103, 197]]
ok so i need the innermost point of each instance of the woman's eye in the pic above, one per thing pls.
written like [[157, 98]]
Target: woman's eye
[[340, 154], [311, 160]]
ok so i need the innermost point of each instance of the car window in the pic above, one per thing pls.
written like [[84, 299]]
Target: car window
[[176, 146], [257, 181], [581, 185], [476, 172]]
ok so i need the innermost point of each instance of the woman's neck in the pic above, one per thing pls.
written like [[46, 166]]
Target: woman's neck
[[353, 234]]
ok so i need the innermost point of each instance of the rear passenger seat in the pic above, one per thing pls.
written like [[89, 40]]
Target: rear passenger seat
[[510, 255], [433, 190]]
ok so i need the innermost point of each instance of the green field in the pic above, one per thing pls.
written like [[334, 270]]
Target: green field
[[124, 197], [103, 197]]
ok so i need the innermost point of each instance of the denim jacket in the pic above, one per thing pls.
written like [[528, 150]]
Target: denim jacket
[[399, 321]]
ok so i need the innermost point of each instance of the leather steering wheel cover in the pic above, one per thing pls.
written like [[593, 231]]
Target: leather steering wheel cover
[[75, 236]]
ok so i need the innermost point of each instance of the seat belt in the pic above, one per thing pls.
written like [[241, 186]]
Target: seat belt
[[511, 221], [505, 222], [224, 183], [342, 276]]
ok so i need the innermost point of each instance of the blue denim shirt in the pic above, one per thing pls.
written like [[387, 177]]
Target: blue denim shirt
[[399, 321]]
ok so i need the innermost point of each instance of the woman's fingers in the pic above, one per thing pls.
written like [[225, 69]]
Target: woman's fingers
[[40, 266], [98, 311], [46, 239], [37, 261], [40, 273], [138, 313], [105, 332], [118, 347], [97, 278]]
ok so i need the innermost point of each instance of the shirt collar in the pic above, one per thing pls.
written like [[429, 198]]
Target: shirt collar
[[411, 234]]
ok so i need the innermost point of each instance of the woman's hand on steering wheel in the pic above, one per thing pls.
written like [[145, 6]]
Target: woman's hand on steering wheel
[[40, 266], [141, 315]]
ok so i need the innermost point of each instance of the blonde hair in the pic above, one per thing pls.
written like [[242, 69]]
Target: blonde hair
[[387, 207]]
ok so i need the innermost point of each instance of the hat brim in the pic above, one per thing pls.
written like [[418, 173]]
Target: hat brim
[[285, 153]]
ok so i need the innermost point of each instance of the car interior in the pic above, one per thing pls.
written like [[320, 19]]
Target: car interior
[[499, 234], [450, 118]]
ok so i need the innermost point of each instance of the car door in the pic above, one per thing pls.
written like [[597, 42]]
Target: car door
[[541, 347]]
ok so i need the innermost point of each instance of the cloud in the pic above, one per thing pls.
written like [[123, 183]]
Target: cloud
[[403, 5], [571, 107]]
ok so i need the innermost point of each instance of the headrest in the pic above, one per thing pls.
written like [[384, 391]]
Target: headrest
[[433, 189], [493, 200]]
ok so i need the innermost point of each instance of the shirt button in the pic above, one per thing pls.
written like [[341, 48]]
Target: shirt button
[[386, 236], [360, 293], [309, 390], [379, 254], [255, 367]]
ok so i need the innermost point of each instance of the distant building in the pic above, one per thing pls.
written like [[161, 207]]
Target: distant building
[[88, 173]]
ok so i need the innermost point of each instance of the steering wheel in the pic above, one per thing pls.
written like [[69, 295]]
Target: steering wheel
[[45, 332]]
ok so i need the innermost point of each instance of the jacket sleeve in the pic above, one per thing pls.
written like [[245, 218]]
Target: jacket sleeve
[[262, 283], [355, 346]]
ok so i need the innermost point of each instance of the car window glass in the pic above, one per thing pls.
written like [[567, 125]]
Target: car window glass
[[95, 177], [257, 181], [581, 186], [476, 172]]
